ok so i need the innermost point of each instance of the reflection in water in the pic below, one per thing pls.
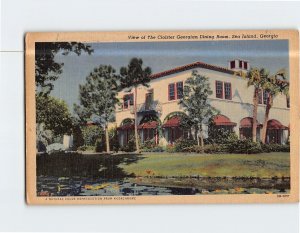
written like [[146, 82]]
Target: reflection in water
[[76, 186]]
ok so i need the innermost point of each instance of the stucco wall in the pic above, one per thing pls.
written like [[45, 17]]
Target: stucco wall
[[236, 109]]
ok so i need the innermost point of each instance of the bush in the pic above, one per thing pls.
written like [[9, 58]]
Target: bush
[[151, 146], [153, 149], [220, 136], [86, 148], [244, 147], [209, 149], [275, 148], [182, 144], [130, 147], [171, 149], [100, 146]]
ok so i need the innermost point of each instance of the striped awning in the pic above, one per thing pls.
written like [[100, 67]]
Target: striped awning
[[148, 125], [172, 122], [126, 127], [274, 124], [221, 120], [247, 122]]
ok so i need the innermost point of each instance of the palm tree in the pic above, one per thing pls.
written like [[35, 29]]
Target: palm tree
[[255, 77], [273, 86], [131, 77]]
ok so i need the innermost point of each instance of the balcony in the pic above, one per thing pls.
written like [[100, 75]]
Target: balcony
[[148, 107]]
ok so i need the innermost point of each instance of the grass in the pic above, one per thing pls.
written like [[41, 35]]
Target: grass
[[265, 165]]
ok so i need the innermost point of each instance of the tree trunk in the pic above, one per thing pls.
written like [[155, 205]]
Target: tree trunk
[[200, 136], [255, 106], [265, 124], [107, 139], [135, 122], [201, 141]]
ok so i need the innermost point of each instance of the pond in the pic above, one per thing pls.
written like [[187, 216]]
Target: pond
[[76, 186]]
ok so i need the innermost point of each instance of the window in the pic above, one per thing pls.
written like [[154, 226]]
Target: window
[[227, 88], [232, 64], [241, 64], [288, 102], [245, 65], [219, 89], [127, 100], [176, 91], [265, 97], [179, 87], [172, 91], [259, 96]]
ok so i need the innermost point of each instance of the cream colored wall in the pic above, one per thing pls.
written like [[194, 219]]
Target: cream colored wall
[[236, 109]]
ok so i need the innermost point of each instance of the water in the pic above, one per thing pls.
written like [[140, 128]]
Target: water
[[76, 186]]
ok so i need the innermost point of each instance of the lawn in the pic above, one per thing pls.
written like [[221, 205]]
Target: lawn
[[265, 165]]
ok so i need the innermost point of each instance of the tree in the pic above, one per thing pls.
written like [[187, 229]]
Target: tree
[[131, 77], [272, 85], [47, 69], [255, 78], [195, 103], [54, 115], [98, 98]]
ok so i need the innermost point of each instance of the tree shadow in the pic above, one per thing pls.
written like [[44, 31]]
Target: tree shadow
[[85, 165]]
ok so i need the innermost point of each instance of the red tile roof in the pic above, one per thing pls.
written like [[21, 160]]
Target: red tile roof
[[203, 65], [191, 66]]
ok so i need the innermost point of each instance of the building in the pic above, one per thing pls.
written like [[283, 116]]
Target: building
[[159, 114]]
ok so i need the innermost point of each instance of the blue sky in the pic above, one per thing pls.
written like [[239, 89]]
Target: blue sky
[[160, 56]]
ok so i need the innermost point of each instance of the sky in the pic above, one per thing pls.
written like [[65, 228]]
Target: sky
[[160, 56]]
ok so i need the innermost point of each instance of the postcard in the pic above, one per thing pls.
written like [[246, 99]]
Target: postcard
[[167, 117]]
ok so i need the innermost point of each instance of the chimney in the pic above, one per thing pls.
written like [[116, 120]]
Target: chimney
[[238, 65]]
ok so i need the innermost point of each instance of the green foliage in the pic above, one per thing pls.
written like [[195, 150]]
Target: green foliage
[[195, 101], [244, 147], [171, 149], [98, 97], [113, 139], [47, 69], [275, 148], [134, 74], [220, 136], [54, 115], [130, 146], [86, 148], [91, 134], [208, 149], [78, 139], [99, 145], [151, 146], [181, 144]]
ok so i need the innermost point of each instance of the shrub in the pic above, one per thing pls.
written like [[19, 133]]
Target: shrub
[[91, 133], [99, 146], [181, 144], [171, 149], [154, 149], [220, 136], [275, 148], [148, 144], [113, 140], [209, 149], [244, 147], [129, 147], [86, 148]]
